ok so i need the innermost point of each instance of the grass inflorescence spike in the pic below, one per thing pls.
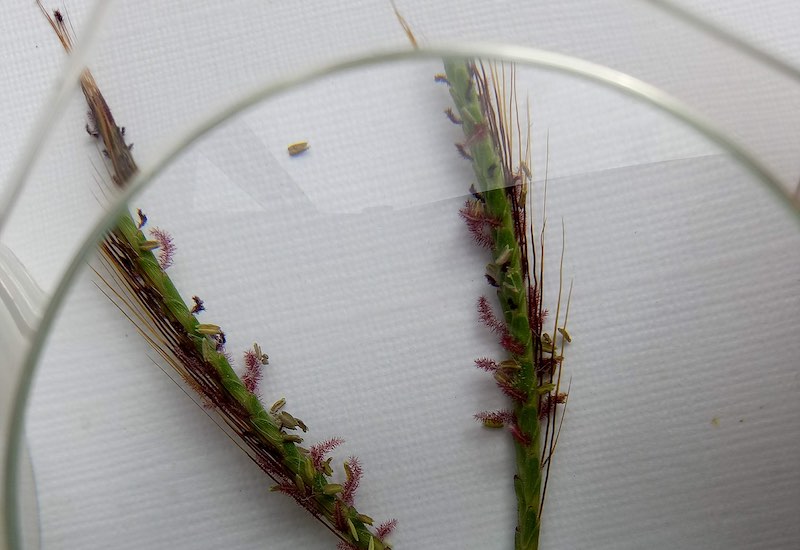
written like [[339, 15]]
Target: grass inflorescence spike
[[134, 278], [498, 218]]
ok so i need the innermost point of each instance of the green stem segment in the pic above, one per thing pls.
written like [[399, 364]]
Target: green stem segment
[[512, 293]]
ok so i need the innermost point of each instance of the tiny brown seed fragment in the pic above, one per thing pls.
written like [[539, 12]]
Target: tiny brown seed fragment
[[296, 148]]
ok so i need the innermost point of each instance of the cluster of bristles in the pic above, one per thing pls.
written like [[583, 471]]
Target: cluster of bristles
[[254, 358], [506, 375], [314, 483], [318, 464], [482, 227], [318, 468]]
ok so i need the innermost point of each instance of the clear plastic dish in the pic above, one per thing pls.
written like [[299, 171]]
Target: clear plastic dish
[[349, 264]]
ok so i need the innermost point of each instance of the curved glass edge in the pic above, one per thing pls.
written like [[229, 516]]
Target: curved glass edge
[[728, 37], [54, 107], [28, 501], [23, 302], [507, 53]]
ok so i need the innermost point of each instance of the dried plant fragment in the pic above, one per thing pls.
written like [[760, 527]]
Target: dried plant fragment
[[295, 149]]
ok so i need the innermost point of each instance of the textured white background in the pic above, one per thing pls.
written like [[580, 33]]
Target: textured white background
[[351, 268]]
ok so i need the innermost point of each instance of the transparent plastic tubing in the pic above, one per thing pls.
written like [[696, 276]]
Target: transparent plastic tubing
[[507, 53]]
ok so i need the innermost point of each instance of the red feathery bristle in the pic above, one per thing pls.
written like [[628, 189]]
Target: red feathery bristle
[[509, 390], [252, 373], [521, 437], [549, 403], [544, 409], [534, 319], [350, 485], [345, 546], [478, 223], [385, 529], [166, 249], [512, 345], [489, 365], [269, 467], [500, 418], [319, 450], [338, 516], [287, 489], [488, 317], [479, 132]]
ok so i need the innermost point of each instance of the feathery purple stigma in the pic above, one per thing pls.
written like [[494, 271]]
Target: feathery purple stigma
[[166, 248]]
